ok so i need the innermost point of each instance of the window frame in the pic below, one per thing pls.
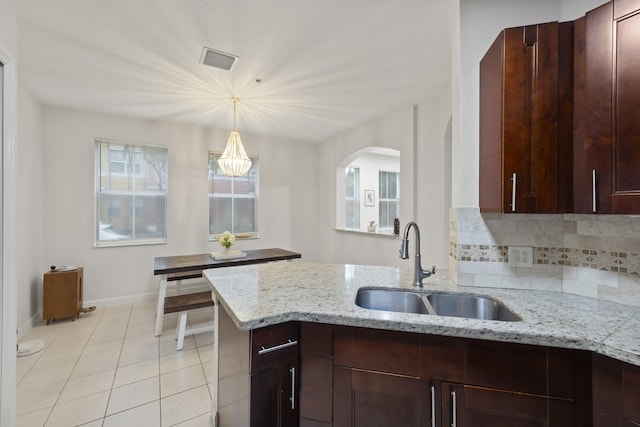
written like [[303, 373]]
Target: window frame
[[255, 169], [353, 199], [388, 200], [137, 149]]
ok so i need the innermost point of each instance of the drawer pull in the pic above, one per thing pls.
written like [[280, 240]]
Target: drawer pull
[[433, 406], [277, 347], [514, 178], [593, 190], [454, 410], [293, 388]]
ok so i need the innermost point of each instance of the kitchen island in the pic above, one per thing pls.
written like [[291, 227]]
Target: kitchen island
[[251, 298]]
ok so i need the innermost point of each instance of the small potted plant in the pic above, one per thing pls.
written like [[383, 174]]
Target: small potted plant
[[227, 240], [371, 228]]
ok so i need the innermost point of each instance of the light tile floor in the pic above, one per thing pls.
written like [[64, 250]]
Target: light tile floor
[[106, 368]]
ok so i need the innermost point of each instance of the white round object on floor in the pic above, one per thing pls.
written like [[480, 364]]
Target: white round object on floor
[[29, 347]]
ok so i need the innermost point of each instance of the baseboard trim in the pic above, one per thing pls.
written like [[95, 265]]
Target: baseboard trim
[[187, 286]]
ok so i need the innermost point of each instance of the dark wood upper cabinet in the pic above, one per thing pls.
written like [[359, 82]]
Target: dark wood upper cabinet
[[526, 101], [560, 116], [626, 106], [592, 111]]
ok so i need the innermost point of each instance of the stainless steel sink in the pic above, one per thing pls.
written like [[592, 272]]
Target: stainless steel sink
[[390, 300], [455, 305], [471, 306]]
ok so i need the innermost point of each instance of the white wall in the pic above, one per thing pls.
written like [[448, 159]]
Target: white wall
[[392, 131], [433, 165], [29, 248], [287, 208], [422, 141], [480, 23]]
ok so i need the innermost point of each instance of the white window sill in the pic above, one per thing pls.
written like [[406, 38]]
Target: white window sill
[[376, 233]]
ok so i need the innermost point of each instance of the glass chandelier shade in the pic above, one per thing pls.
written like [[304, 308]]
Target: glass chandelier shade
[[234, 160]]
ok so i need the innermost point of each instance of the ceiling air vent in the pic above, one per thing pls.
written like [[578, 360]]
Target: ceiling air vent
[[217, 59]]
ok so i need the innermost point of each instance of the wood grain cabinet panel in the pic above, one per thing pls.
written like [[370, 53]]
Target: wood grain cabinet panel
[[470, 406], [616, 393], [515, 367], [626, 107], [378, 350], [316, 380], [592, 111], [371, 399], [274, 401], [525, 105]]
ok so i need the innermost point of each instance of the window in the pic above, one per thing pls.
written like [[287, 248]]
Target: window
[[123, 162], [389, 202], [233, 201], [352, 197], [131, 193]]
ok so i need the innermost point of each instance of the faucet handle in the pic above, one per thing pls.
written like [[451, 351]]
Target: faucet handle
[[433, 269]]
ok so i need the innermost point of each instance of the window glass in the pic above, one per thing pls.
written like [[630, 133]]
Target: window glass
[[131, 193], [352, 197], [389, 203], [233, 201]]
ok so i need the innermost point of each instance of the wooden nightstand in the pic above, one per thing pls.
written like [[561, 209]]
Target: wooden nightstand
[[62, 295]]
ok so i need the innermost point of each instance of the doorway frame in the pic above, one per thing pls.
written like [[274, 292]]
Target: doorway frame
[[8, 288]]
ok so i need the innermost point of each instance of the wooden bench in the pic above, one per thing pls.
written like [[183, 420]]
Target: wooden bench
[[194, 274], [185, 302], [182, 304]]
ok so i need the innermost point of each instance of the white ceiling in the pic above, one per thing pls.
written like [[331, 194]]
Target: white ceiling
[[326, 66]]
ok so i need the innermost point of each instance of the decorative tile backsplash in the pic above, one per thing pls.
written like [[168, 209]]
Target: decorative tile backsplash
[[621, 262], [591, 255]]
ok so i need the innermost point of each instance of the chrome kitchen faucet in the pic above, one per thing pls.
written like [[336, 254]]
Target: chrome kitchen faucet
[[418, 273]]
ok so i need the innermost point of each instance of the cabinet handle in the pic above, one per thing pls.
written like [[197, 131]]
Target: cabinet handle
[[433, 406], [513, 192], [277, 347], [293, 388], [593, 189], [454, 410]]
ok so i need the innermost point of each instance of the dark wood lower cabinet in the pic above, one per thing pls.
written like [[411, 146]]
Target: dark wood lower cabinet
[[364, 377], [616, 393], [375, 399], [471, 406], [386, 378], [258, 375], [273, 396]]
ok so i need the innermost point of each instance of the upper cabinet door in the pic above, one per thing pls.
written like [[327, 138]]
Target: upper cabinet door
[[593, 62], [520, 119], [626, 106]]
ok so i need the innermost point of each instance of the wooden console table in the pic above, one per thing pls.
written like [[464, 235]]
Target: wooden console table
[[182, 267]]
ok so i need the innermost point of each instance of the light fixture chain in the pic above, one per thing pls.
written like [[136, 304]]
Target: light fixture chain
[[235, 102]]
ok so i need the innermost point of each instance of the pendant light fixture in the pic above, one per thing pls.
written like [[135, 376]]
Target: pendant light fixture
[[234, 160]]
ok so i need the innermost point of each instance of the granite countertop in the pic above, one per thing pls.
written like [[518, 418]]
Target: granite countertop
[[265, 294]]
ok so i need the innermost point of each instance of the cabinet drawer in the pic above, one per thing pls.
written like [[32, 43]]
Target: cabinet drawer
[[272, 345], [515, 367], [377, 350]]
